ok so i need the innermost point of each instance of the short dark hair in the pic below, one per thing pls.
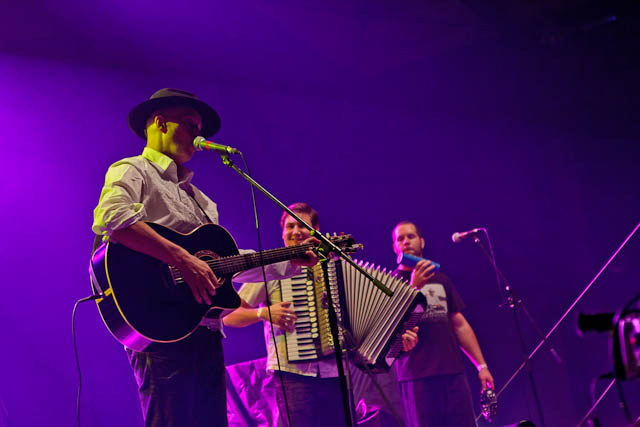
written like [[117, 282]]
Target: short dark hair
[[302, 208], [405, 222]]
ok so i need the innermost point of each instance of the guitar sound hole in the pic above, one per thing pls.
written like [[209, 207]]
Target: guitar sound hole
[[209, 256]]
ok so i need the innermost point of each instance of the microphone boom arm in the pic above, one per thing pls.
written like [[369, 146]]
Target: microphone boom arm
[[328, 243]]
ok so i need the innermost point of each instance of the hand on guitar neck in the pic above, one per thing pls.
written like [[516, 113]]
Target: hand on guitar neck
[[312, 257]]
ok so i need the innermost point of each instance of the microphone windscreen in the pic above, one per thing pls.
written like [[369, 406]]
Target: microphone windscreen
[[197, 142]]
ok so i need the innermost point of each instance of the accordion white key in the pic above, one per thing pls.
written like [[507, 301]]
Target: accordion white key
[[373, 321]]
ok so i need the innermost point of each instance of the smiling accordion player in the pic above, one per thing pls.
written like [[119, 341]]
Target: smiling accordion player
[[374, 321]]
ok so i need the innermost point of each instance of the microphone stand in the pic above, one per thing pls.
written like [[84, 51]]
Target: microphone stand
[[513, 302], [566, 313], [324, 240], [330, 247], [345, 379]]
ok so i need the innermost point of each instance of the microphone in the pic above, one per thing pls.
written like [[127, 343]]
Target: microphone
[[202, 144], [458, 237]]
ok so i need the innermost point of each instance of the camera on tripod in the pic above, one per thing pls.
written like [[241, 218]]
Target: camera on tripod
[[625, 328]]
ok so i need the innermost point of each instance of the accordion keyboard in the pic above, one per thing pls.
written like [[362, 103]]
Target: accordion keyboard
[[311, 338]]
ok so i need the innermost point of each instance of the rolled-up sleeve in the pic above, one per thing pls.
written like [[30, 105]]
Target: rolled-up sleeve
[[120, 200]]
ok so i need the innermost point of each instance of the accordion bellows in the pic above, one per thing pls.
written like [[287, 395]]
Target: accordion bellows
[[372, 321]]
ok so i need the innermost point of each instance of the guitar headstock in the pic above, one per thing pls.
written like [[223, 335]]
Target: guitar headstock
[[489, 404], [345, 242]]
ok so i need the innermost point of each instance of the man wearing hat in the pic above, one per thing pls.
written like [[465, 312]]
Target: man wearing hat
[[182, 383]]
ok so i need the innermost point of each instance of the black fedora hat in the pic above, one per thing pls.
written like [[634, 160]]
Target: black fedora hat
[[138, 116]]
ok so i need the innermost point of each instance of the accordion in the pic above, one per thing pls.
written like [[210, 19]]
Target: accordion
[[372, 321]]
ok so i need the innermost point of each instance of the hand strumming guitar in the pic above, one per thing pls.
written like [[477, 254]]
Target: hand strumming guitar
[[198, 276], [142, 238], [312, 258]]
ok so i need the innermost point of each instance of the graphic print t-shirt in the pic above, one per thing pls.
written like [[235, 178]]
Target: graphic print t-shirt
[[437, 351]]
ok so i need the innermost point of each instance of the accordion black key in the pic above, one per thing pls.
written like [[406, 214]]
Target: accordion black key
[[372, 321]]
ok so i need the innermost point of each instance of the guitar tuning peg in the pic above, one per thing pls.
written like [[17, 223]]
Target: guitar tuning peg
[[342, 233], [334, 234], [328, 235]]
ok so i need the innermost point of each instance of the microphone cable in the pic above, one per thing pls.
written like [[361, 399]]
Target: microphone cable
[[266, 292], [75, 348]]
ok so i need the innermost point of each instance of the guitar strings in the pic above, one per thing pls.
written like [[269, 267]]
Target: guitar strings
[[230, 264]]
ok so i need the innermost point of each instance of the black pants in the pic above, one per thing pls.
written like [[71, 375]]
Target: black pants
[[438, 401], [312, 401], [182, 384]]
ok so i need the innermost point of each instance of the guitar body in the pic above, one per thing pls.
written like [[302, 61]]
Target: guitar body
[[145, 300]]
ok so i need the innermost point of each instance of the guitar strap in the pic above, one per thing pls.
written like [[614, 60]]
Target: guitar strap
[[192, 193]]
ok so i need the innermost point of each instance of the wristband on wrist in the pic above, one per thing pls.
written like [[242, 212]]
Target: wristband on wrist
[[259, 313], [482, 366]]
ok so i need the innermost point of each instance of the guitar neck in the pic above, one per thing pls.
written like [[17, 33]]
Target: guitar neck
[[234, 264]]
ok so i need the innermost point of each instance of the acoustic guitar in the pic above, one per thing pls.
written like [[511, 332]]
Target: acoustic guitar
[[145, 300]]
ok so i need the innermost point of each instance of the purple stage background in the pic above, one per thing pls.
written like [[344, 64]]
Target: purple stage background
[[372, 113]]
